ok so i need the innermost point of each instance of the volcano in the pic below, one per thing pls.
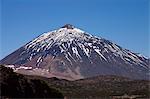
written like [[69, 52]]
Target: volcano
[[71, 53]]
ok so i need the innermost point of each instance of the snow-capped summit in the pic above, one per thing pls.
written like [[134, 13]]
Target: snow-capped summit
[[71, 53]]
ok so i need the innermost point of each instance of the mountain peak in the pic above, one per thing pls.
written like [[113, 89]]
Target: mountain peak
[[70, 53], [68, 26]]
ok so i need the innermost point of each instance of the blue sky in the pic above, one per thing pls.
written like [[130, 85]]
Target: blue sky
[[124, 22]]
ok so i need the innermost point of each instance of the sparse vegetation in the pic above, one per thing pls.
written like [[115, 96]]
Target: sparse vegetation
[[101, 86], [15, 85]]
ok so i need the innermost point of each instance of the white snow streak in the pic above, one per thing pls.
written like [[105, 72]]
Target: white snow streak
[[98, 51]]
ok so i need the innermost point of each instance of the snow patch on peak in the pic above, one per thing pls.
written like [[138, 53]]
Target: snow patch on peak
[[75, 51], [57, 36], [78, 30]]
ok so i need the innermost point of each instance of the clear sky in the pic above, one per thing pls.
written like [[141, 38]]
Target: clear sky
[[124, 22]]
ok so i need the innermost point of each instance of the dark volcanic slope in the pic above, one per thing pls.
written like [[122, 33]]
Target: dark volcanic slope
[[71, 53]]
